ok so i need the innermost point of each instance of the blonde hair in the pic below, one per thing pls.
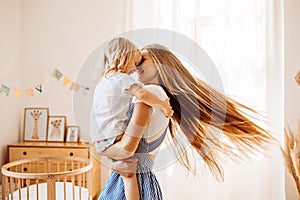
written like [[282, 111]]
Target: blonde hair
[[118, 52], [197, 107]]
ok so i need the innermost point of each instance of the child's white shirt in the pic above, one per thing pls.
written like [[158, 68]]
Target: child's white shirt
[[110, 106]]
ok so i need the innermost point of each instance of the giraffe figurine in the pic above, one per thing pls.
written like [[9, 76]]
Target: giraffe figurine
[[36, 115]]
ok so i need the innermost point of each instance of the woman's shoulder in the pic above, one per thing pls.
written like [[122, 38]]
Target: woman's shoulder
[[157, 90], [153, 86]]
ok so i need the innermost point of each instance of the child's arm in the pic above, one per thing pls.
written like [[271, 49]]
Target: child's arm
[[117, 151], [150, 99]]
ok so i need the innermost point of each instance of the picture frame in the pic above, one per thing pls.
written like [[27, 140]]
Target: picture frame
[[72, 134], [35, 124], [56, 128], [297, 77]]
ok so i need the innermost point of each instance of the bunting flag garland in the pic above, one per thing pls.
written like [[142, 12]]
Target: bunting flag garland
[[30, 92], [58, 74], [4, 89], [66, 80], [74, 87], [39, 88], [17, 93], [85, 89]]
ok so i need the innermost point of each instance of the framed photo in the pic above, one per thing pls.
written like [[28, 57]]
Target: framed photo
[[72, 134], [56, 128], [35, 124], [297, 77]]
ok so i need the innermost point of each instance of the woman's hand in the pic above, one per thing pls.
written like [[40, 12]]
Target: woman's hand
[[126, 168], [167, 108]]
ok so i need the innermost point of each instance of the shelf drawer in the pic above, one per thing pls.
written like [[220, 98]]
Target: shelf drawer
[[17, 153]]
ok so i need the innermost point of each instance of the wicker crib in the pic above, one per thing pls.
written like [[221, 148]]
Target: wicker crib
[[52, 178]]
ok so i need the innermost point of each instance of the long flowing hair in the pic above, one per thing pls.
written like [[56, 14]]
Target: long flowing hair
[[216, 126]]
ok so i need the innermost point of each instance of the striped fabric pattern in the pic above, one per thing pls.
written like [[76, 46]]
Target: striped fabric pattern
[[148, 185], [113, 189]]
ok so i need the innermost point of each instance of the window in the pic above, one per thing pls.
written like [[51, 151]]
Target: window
[[230, 31]]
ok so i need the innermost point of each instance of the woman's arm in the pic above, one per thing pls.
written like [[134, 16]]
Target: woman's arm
[[126, 168], [150, 99], [128, 144]]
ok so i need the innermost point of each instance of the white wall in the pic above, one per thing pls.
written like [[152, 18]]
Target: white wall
[[10, 21], [36, 38], [292, 66]]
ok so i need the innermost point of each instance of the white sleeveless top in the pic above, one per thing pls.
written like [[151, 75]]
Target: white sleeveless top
[[158, 122]]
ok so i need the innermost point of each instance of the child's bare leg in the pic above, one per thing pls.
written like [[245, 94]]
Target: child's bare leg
[[131, 187], [128, 173], [127, 169]]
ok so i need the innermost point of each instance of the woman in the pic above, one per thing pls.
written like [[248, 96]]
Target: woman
[[144, 134], [198, 109]]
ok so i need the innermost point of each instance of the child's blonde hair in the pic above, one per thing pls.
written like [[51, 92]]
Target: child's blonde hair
[[118, 53]]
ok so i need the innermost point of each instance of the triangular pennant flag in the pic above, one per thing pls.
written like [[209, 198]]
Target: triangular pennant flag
[[39, 88], [74, 87], [17, 93], [58, 74], [86, 90], [66, 80], [4, 89], [29, 92]]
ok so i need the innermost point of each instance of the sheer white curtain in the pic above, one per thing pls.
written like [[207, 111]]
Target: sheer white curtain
[[245, 40]]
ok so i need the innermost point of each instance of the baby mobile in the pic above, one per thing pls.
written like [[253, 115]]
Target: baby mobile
[[30, 92]]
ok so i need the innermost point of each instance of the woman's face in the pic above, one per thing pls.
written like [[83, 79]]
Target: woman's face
[[147, 70]]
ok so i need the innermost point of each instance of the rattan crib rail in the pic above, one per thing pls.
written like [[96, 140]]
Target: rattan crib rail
[[61, 177]]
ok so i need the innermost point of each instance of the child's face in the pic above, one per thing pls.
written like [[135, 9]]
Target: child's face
[[133, 62]]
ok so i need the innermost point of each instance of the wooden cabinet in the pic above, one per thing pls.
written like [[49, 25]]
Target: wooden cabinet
[[24, 150]]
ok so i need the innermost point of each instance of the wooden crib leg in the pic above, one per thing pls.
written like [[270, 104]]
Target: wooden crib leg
[[65, 180], [73, 188], [37, 188], [51, 189], [4, 180], [16, 184], [27, 189], [65, 188], [11, 182], [89, 182], [79, 181], [19, 189]]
